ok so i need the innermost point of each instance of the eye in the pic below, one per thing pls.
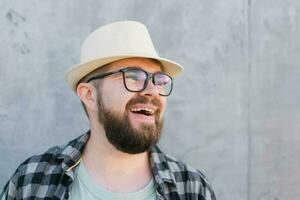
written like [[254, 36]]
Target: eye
[[162, 79], [131, 76], [135, 75]]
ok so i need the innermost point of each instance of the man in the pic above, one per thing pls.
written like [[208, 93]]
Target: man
[[123, 85]]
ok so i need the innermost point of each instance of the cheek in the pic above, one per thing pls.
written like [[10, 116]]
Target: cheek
[[115, 96]]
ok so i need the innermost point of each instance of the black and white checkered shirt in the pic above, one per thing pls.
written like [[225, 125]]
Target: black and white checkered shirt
[[50, 175]]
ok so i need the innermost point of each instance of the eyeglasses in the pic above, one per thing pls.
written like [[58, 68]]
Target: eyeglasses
[[136, 80]]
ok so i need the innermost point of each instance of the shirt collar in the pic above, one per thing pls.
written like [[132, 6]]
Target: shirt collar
[[72, 152], [161, 167]]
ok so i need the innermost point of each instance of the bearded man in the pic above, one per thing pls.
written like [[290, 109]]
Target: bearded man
[[123, 85]]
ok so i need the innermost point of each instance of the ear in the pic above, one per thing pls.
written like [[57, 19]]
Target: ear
[[88, 95]]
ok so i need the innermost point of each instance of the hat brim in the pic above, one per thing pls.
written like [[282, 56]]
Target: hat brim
[[77, 72]]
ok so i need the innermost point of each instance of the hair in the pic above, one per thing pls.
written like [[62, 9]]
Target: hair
[[95, 83]]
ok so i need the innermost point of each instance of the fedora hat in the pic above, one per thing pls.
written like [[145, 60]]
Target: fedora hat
[[116, 41]]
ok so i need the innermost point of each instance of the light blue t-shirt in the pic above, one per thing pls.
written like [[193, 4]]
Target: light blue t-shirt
[[84, 188]]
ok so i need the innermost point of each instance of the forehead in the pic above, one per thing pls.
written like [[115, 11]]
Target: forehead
[[143, 63]]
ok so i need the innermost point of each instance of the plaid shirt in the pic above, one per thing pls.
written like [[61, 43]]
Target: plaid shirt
[[50, 175]]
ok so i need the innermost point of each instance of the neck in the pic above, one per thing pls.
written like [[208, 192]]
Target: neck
[[112, 169]]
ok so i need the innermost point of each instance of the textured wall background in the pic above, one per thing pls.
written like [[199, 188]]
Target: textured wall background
[[234, 114]]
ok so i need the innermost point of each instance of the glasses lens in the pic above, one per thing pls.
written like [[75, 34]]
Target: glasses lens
[[164, 83], [135, 79]]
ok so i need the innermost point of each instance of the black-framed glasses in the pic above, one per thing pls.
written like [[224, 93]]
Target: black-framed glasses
[[136, 80]]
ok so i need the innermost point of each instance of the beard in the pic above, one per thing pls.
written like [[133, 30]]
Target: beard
[[120, 132]]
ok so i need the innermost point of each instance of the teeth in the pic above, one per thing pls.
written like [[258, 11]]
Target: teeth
[[142, 109]]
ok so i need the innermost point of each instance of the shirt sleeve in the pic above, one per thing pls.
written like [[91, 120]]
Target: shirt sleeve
[[9, 190], [209, 194]]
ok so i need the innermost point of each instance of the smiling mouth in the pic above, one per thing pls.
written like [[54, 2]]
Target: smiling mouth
[[143, 111]]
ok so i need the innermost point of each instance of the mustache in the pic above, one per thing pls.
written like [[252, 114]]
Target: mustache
[[143, 100]]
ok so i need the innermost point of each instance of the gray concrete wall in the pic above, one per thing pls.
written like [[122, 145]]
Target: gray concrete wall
[[234, 114]]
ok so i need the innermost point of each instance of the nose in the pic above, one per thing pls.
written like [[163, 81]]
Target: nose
[[150, 90]]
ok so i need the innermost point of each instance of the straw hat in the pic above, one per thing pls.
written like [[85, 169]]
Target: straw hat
[[115, 41]]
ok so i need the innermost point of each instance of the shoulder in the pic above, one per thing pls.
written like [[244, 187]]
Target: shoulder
[[47, 157], [37, 165], [44, 168], [33, 169], [42, 162], [184, 172], [52, 158], [186, 178], [181, 171]]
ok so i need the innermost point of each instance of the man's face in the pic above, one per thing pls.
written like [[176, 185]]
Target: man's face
[[132, 120]]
